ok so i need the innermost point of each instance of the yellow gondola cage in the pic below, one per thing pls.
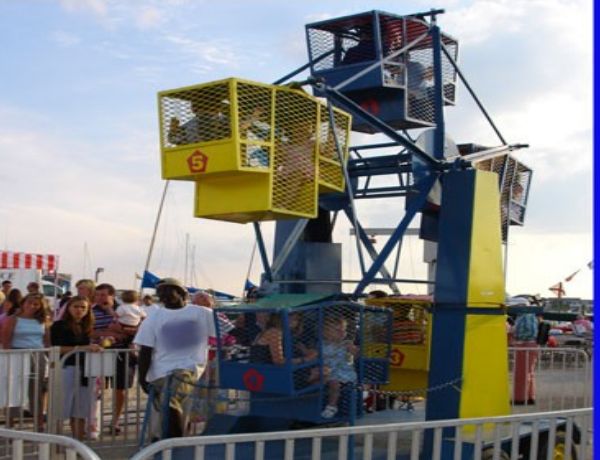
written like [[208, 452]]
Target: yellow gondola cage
[[255, 151], [411, 333]]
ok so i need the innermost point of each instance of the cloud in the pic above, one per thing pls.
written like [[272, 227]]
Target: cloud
[[212, 51], [149, 17], [93, 175], [65, 39], [98, 8], [471, 24], [74, 191]]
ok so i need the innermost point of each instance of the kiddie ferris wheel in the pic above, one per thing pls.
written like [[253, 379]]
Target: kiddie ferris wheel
[[261, 152]]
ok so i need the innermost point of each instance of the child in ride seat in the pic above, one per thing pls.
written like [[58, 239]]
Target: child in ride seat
[[338, 361]]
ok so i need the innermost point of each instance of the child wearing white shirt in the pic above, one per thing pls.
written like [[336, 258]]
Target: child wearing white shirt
[[129, 313]]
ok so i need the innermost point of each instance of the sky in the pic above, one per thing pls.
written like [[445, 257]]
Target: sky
[[79, 148]]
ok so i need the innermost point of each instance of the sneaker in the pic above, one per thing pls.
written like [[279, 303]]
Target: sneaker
[[94, 435], [329, 411]]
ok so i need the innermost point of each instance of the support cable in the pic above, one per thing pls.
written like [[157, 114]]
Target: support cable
[[472, 93], [349, 190]]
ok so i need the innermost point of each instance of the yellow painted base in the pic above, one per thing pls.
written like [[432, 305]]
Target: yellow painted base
[[241, 199], [485, 389], [187, 163]]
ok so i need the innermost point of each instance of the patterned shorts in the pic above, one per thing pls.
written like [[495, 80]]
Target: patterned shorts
[[180, 386]]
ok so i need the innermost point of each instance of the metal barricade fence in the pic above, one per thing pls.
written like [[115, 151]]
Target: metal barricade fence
[[17, 445], [549, 379], [563, 377], [538, 435], [25, 376], [106, 382]]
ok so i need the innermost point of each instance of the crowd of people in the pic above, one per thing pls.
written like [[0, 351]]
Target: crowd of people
[[173, 338], [169, 347]]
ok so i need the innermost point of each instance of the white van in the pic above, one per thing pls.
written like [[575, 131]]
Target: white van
[[21, 277]]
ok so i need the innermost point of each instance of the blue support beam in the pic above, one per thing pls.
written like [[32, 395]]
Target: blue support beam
[[415, 205], [364, 238], [384, 128], [438, 93], [262, 251]]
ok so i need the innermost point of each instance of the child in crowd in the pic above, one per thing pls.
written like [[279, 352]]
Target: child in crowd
[[338, 360], [129, 313]]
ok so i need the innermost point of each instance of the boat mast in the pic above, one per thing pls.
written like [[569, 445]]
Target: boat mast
[[156, 222]]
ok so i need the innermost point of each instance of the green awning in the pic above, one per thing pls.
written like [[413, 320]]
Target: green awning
[[285, 301]]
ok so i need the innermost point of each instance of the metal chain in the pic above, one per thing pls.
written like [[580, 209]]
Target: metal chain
[[415, 392], [361, 387]]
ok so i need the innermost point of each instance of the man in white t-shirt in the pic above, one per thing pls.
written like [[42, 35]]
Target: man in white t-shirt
[[174, 351]]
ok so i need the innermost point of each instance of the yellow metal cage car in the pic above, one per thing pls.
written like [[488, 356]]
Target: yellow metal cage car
[[255, 151], [411, 332]]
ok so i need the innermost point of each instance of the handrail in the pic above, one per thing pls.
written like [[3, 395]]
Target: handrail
[[68, 443]]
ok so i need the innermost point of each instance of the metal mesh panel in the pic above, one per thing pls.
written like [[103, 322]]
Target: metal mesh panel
[[376, 333], [254, 124], [520, 192], [331, 175], [321, 42], [358, 45], [340, 353], [448, 71], [330, 169], [514, 179], [397, 33], [348, 41], [195, 115], [294, 171], [410, 324], [305, 350], [499, 165], [420, 102], [410, 319]]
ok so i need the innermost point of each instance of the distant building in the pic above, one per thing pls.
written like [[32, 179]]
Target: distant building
[[569, 305]]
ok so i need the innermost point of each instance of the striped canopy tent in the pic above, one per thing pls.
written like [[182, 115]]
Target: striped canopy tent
[[45, 262]]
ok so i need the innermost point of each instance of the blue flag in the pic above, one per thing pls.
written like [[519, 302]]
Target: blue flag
[[149, 280]]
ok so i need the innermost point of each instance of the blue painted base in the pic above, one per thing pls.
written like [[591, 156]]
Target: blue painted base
[[230, 424]]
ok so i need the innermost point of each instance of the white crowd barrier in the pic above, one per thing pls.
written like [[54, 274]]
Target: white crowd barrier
[[561, 434], [18, 445], [559, 379], [24, 382]]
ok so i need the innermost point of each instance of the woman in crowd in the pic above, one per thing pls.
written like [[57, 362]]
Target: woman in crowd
[[73, 333], [86, 289], [10, 306], [29, 328]]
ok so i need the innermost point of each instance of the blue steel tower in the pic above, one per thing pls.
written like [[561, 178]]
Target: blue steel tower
[[396, 74]]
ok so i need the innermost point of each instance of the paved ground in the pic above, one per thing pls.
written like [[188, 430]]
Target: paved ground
[[559, 386]]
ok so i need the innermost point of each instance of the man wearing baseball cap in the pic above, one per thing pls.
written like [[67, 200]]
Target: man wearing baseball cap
[[174, 351]]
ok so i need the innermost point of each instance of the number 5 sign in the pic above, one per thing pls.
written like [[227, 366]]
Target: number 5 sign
[[197, 162]]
